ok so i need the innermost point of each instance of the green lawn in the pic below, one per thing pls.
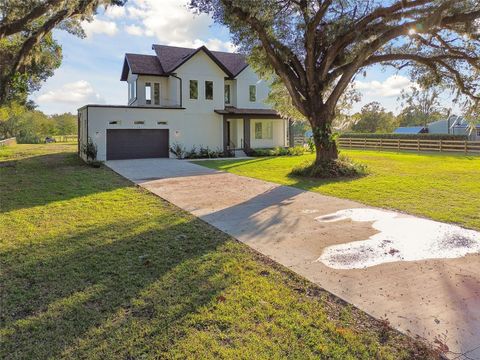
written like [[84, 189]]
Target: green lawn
[[95, 268], [438, 186]]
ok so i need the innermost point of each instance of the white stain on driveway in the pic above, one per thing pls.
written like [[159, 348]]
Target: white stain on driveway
[[400, 238]]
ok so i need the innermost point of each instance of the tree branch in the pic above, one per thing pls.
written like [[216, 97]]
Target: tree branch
[[9, 28]]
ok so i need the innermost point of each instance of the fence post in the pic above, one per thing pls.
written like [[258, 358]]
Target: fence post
[[418, 144], [398, 144], [381, 144], [350, 142], [441, 145], [466, 147], [365, 143]]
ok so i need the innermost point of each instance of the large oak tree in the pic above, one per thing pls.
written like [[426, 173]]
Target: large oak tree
[[317, 47], [28, 53]]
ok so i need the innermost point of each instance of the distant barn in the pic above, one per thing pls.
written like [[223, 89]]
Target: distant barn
[[411, 130]]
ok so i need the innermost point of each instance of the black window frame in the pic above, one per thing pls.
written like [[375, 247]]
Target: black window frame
[[193, 95], [250, 87], [148, 85], [208, 90], [228, 94]]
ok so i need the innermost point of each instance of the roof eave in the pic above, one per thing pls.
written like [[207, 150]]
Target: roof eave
[[124, 76]]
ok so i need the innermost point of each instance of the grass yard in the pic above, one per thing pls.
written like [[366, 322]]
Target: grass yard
[[95, 268], [441, 187]]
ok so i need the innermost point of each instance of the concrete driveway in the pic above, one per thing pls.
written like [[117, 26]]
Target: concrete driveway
[[437, 299]]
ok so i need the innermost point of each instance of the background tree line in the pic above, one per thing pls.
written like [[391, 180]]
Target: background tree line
[[29, 125]]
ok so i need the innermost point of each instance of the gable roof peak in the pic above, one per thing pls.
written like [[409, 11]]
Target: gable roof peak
[[169, 58], [172, 57]]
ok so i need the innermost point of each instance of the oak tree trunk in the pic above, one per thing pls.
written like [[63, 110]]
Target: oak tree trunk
[[325, 145]]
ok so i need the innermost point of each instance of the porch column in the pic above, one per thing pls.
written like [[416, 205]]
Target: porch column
[[225, 134], [246, 133]]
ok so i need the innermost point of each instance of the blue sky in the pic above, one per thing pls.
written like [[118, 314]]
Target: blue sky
[[90, 72]]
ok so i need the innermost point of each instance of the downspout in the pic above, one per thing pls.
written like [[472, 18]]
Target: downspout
[[181, 88]]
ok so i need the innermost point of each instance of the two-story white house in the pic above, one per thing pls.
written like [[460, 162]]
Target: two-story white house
[[193, 97]]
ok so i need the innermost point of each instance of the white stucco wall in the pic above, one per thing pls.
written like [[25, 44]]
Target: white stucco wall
[[201, 68], [185, 128], [132, 78], [233, 92], [165, 94], [82, 130], [246, 78], [279, 132]]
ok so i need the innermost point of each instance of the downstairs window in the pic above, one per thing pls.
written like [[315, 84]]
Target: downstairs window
[[264, 130]]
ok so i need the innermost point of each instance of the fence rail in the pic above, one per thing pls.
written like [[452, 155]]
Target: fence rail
[[65, 138], [464, 146], [10, 141]]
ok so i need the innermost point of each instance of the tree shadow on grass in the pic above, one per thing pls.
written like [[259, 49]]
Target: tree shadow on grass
[[309, 183], [59, 290], [230, 163], [40, 180]]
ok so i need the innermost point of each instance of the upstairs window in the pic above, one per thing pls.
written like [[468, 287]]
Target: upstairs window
[[156, 93], [194, 89], [227, 94], [132, 90], [252, 92], [264, 130], [208, 90], [148, 93]]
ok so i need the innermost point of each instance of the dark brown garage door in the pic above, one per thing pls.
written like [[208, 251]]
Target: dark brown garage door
[[136, 143]]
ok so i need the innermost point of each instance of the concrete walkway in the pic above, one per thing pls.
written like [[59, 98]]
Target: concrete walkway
[[435, 299]]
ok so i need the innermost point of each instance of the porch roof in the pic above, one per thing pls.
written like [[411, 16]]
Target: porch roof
[[237, 112]]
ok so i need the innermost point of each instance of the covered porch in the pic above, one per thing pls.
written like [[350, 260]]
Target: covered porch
[[245, 129]]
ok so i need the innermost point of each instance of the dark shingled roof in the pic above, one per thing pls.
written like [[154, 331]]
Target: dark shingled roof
[[169, 58], [141, 64]]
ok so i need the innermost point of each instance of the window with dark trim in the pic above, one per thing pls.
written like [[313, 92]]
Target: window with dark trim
[[139, 122], [264, 130], [132, 90], [148, 93], [114, 122], [227, 93], [208, 90], [162, 122], [156, 93], [252, 92], [193, 89]]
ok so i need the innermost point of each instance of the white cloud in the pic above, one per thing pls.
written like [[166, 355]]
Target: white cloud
[[172, 23], [211, 44], [134, 30], [115, 12], [391, 86], [75, 93], [98, 26]]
